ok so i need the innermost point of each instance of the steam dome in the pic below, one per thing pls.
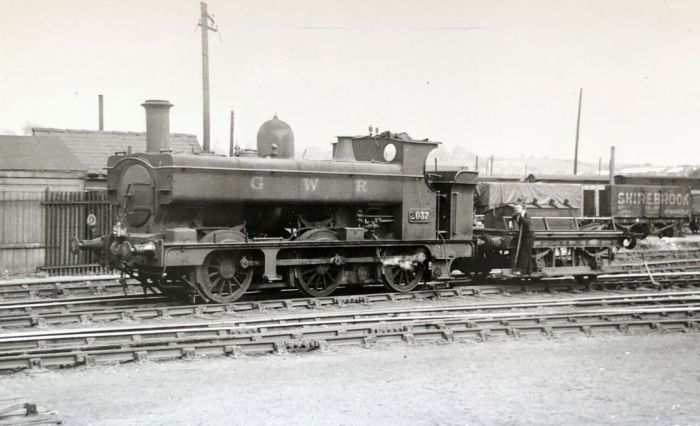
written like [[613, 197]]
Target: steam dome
[[275, 134]]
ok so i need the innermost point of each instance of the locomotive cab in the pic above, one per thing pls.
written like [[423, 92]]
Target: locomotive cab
[[455, 193]]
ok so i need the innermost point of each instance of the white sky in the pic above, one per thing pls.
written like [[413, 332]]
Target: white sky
[[496, 77]]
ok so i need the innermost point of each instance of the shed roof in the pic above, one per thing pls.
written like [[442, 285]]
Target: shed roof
[[37, 153], [93, 147]]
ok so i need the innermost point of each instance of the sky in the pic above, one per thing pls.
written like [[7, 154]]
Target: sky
[[493, 77]]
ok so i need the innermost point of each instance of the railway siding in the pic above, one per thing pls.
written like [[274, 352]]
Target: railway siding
[[221, 343]]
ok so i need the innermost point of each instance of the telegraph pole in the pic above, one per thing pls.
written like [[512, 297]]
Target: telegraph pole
[[204, 22], [578, 125], [612, 165], [101, 106], [230, 142]]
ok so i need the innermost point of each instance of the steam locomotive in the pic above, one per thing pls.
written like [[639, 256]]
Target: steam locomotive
[[216, 226]]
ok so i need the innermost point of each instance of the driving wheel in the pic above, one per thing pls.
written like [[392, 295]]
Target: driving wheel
[[225, 276], [322, 279], [402, 275]]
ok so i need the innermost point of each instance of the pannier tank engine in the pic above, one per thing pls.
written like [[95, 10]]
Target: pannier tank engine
[[209, 225], [214, 226]]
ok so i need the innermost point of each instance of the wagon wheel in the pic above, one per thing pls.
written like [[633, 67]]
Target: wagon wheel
[[224, 276], [403, 276], [318, 280]]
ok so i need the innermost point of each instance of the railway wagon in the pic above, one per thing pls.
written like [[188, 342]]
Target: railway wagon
[[565, 240], [545, 202], [693, 185], [215, 226], [648, 209], [645, 206]]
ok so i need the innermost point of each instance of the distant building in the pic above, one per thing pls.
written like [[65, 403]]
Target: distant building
[[93, 147], [30, 164], [29, 168]]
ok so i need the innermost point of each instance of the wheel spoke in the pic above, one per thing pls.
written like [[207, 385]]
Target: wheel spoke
[[238, 282], [218, 284]]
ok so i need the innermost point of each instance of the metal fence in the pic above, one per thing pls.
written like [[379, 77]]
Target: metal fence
[[66, 216], [36, 229]]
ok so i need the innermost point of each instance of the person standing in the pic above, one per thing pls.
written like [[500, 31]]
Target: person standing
[[526, 241]]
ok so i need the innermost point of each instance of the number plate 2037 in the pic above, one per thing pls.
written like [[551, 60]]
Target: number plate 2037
[[419, 216]]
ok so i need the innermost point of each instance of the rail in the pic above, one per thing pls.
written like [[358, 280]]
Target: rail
[[190, 341]]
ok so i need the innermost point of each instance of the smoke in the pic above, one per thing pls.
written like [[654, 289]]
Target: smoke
[[407, 263]]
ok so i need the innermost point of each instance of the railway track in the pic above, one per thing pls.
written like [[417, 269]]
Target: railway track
[[618, 313], [54, 287], [664, 254], [68, 287], [134, 308], [61, 287], [675, 265]]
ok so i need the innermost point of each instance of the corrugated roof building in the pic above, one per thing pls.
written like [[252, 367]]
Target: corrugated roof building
[[93, 147]]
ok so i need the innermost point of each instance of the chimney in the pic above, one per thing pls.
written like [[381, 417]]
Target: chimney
[[157, 125]]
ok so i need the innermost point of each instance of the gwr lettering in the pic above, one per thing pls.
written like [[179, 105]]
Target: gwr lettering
[[310, 185], [360, 185], [257, 183]]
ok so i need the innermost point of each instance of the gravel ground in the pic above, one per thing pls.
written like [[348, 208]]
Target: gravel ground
[[616, 379]]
